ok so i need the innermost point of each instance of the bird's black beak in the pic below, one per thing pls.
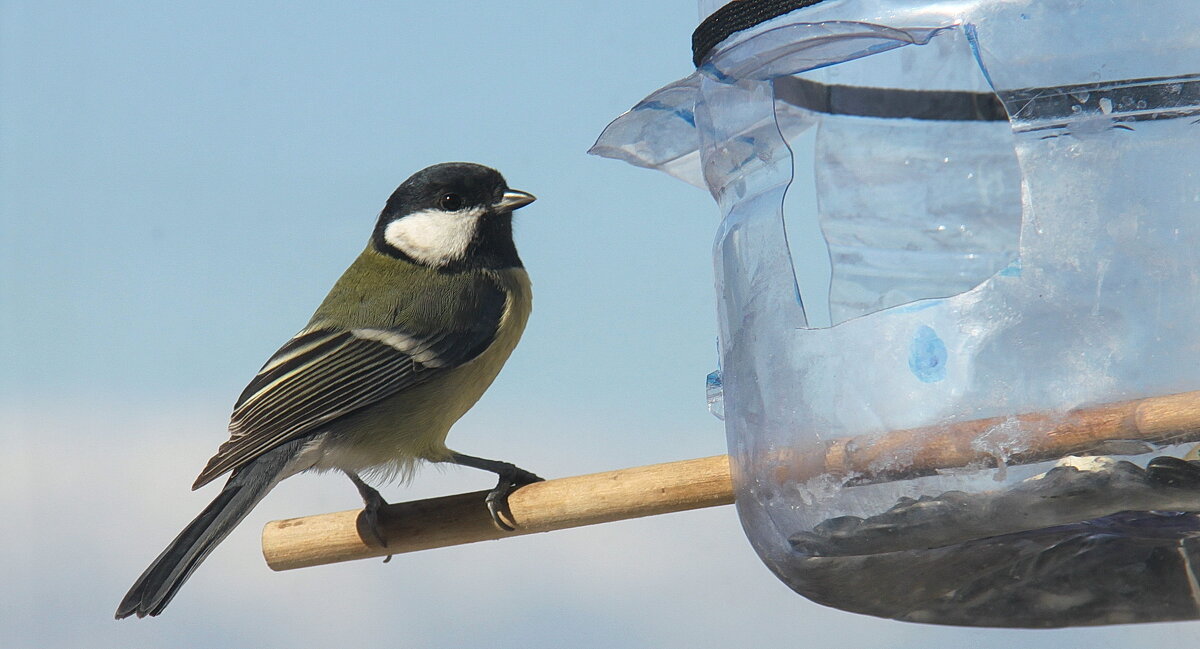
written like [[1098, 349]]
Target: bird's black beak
[[513, 199]]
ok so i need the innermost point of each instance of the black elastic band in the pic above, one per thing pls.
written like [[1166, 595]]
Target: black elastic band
[[736, 16], [890, 103]]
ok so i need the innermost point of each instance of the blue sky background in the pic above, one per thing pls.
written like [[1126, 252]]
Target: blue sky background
[[179, 187]]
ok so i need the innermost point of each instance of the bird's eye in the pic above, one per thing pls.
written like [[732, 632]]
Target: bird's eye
[[450, 202]]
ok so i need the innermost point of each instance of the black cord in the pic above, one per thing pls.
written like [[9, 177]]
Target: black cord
[[736, 16], [890, 103]]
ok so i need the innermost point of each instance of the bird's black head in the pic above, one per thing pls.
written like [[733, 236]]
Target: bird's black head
[[451, 216]]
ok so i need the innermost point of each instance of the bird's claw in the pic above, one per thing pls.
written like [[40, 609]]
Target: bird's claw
[[511, 477], [497, 499], [372, 503], [497, 504], [371, 522], [370, 519]]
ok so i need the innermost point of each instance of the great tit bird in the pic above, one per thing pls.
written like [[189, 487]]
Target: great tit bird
[[405, 343]]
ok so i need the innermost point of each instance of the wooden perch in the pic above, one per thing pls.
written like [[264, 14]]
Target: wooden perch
[[692, 484], [539, 507], [1018, 439]]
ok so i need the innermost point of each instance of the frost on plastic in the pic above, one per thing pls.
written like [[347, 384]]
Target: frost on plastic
[[968, 227]]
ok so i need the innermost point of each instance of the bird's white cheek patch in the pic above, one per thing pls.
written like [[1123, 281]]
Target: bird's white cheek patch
[[434, 237]]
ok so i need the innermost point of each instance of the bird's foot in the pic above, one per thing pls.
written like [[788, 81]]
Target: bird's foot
[[497, 499], [372, 503], [511, 477]]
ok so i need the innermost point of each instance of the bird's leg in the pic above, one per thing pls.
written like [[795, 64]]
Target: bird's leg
[[372, 502], [511, 477]]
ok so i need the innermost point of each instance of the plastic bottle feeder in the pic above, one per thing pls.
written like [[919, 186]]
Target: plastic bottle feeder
[[958, 276]]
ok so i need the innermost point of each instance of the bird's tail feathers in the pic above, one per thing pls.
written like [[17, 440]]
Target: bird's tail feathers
[[156, 586]]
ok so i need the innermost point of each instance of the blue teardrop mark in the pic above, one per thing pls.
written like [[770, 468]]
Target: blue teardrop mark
[[927, 356]]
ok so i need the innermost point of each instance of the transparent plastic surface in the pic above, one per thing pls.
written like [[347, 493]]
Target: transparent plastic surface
[[1005, 199]]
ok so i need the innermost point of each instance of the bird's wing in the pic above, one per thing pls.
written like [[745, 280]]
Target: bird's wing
[[322, 374]]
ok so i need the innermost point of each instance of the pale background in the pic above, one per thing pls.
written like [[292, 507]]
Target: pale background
[[179, 186]]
